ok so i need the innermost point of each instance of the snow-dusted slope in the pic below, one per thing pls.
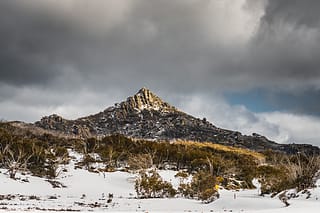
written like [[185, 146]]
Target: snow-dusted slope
[[146, 116], [87, 191]]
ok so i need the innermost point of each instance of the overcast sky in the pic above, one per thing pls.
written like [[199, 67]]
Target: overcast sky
[[247, 65]]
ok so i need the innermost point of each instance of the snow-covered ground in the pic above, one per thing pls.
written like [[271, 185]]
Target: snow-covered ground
[[87, 191]]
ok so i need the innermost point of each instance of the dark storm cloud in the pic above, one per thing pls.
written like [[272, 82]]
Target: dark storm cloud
[[76, 57], [182, 46], [155, 44], [299, 13], [25, 46], [283, 55], [286, 46], [162, 41]]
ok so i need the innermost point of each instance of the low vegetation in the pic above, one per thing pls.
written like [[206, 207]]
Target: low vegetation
[[209, 164], [240, 151], [149, 184], [287, 171], [27, 153]]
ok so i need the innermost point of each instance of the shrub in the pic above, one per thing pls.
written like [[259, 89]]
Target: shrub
[[203, 186], [288, 171], [150, 185], [61, 151], [140, 161], [272, 179]]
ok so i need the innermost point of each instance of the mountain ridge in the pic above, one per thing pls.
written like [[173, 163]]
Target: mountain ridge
[[146, 116]]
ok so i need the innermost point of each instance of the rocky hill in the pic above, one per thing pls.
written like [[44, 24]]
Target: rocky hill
[[147, 116]]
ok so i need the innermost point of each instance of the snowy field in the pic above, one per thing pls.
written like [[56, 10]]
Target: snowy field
[[85, 191]]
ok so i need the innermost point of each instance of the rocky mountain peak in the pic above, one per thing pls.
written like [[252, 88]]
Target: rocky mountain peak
[[144, 99], [145, 115]]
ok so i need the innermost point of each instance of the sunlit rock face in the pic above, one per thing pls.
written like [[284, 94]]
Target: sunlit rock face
[[146, 116]]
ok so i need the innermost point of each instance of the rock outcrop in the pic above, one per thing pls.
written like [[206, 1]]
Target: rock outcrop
[[146, 100], [146, 116]]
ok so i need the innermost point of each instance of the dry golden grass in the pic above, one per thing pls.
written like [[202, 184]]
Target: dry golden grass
[[220, 147]]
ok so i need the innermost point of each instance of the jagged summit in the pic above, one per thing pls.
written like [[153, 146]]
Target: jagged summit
[[145, 115], [145, 99]]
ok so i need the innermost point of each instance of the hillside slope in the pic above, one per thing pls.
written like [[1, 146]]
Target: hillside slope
[[147, 116]]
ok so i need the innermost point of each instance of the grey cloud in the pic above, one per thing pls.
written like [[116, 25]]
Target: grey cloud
[[21, 58], [298, 13], [158, 44], [286, 46], [68, 50]]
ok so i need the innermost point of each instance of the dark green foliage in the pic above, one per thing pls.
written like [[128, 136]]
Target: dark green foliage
[[304, 169], [91, 145], [281, 172], [61, 151], [272, 179], [37, 154], [117, 150], [86, 161], [203, 186], [247, 167], [288, 171], [140, 161], [182, 175], [150, 185], [42, 154]]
